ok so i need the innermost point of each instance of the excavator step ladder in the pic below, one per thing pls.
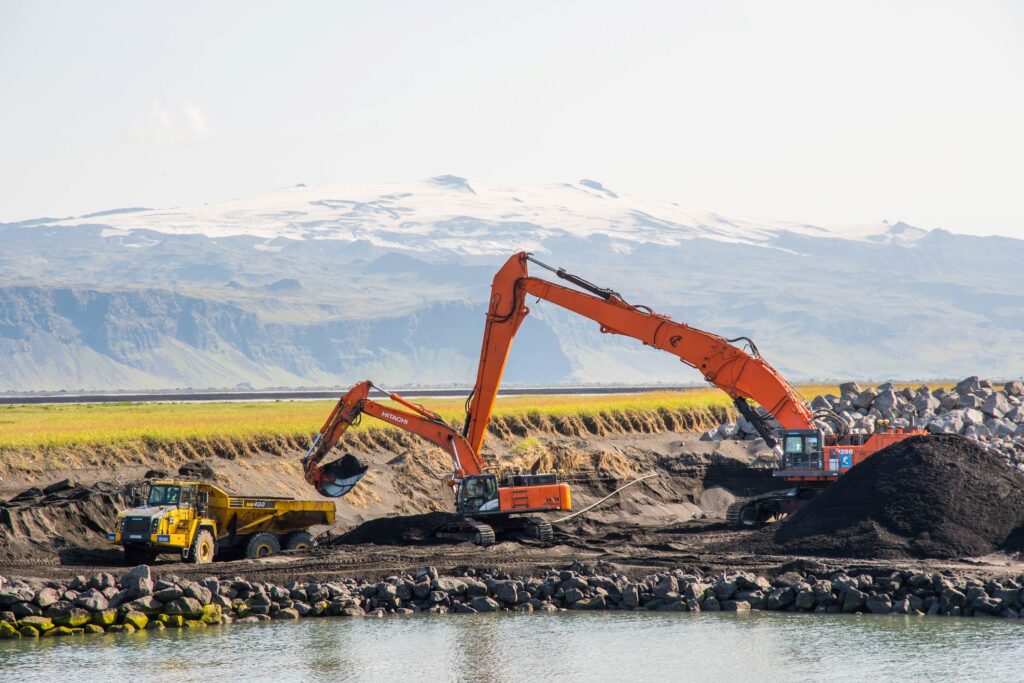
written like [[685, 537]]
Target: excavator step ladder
[[520, 499]]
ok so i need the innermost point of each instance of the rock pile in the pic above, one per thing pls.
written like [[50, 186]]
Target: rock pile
[[974, 408], [102, 604]]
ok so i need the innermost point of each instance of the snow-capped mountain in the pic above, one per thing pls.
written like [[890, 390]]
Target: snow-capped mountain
[[449, 214], [328, 285]]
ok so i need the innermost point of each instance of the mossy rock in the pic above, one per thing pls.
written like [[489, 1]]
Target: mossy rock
[[58, 631], [194, 623], [8, 630], [155, 626], [121, 628], [27, 631], [172, 620], [77, 631], [43, 624], [92, 628], [73, 618], [136, 619], [105, 618], [241, 609], [211, 614]]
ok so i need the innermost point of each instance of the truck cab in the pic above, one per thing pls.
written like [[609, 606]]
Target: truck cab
[[171, 516]]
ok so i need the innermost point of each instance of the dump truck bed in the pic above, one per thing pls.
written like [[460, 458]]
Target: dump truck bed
[[249, 515], [246, 515]]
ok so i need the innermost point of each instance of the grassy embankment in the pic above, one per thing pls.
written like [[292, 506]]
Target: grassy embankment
[[32, 435]]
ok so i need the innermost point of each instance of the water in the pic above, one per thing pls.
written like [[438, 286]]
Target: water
[[609, 646]]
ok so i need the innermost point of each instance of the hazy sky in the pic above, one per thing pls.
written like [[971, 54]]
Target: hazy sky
[[825, 112]]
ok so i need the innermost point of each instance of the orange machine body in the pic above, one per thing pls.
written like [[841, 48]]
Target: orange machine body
[[535, 498], [518, 493], [740, 373]]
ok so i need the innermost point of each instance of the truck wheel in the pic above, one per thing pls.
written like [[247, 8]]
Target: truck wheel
[[262, 545], [202, 548], [299, 540]]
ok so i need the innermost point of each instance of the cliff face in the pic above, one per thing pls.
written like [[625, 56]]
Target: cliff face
[[53, 338]]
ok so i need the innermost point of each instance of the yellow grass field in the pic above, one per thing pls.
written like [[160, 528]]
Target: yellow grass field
[[25, 426]]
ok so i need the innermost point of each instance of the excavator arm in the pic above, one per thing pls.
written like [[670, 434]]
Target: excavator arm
[[745, 376], [337, 478]]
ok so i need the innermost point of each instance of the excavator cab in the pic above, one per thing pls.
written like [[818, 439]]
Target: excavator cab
[[801, 451], [477, 494]]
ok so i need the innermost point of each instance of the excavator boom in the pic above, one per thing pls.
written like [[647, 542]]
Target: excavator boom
[[741, 374], [337, 478], [482, 502]]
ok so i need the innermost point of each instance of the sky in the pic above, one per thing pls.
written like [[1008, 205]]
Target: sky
[[832, 113]]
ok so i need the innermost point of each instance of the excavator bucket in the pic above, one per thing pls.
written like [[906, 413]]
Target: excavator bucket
[[337, 478]]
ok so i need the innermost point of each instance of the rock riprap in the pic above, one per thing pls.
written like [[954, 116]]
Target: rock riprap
[[974, 408], [216, 601]]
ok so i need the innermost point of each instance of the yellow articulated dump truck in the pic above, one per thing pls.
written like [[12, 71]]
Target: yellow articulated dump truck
[[201, 521]]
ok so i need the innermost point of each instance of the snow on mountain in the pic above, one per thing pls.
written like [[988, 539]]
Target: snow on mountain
[[331, 285], [450, 214]]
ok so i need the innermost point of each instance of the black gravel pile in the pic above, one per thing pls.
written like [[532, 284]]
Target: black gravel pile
[[937, 496], [403, 530]]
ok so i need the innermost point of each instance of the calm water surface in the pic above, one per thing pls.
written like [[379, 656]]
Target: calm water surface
[[612, 646]]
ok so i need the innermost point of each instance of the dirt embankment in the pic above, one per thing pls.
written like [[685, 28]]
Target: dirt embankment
[[405, 478]]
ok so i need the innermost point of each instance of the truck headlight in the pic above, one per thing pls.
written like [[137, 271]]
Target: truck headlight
[[154, 526]]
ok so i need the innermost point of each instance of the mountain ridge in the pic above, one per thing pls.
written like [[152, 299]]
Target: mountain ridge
[[285, 289]]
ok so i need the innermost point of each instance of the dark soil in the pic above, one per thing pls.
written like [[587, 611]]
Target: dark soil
[[404, 530], [62, 519], [927, 497]]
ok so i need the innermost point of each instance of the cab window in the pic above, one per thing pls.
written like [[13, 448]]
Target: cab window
[[164, 495], [794, 444]]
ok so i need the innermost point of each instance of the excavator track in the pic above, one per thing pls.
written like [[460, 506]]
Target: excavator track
[[540, 529], [471, 530], [734, 513]]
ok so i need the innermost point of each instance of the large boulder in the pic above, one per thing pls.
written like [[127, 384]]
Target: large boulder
[[482, 603], [186, 607], [878, 604], [780, 598], [169, 594], [967, 385], [1014, 388], [92, 600], [886, 401], [853, 600], [1001, 427], [134, 575], [996, 405], [73, 617], [101, 581], [46, 597], [925, 404], [865, 399]]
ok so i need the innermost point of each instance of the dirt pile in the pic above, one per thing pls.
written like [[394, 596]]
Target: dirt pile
[[940, 497], [65, 519], [402, 530]]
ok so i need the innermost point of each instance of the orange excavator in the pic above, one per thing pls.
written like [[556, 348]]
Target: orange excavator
[[810, 458], [482, 503]]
